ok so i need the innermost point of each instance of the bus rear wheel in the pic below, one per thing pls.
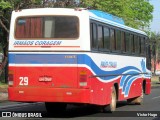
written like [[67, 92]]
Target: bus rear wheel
[[112, 106], [55, 107]]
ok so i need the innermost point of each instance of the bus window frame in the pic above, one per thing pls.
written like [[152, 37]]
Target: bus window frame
[[91, 34], [113, 40], [118, 50], [108, 28], [144, 46], [132, 44], [102, 39]]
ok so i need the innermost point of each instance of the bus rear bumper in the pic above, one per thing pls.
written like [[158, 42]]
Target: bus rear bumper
[[37, 94]]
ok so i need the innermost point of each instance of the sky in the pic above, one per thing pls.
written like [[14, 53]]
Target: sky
[[155, 24]]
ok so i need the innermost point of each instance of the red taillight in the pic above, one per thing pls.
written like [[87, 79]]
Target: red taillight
[[83, 79], [10, 78]]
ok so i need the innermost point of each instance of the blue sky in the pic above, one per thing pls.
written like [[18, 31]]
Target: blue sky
[[155, 24]]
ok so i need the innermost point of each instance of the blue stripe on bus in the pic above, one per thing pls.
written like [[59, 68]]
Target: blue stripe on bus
[[40, 59]]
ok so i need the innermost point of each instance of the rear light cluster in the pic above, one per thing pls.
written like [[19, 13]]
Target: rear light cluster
[[10, 78], [83, 79]]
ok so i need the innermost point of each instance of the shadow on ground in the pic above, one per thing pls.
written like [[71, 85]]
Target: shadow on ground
[[88, 111]]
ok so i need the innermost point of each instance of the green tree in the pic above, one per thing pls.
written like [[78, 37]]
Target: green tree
[[136, 13], [155, 43], [155, 38]]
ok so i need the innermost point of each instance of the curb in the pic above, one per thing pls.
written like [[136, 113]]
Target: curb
[[153, 87]]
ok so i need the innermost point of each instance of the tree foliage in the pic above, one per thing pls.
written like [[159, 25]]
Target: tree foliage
[[136, 13], [155, 44], [155, 38]]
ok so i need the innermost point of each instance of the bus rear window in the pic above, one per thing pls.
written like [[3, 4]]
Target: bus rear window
[[58, 27]]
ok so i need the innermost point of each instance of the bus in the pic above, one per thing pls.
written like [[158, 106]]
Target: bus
[[63, 56]]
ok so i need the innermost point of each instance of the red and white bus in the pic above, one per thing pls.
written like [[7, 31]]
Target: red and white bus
[[66, 56]]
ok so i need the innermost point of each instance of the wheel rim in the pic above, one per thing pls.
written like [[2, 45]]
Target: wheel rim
[[113, 101], [142, 95]]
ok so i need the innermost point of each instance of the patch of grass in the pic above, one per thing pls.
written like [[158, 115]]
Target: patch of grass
[[2, 81], [155, 81], [3, 85]]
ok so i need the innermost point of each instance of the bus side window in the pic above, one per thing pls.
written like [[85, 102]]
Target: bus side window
[[100, 37], [142, 40], [123, 41], [113, 41], [106, 39], [118, 40], [137, 45], [132, 44], [127, 41], [94, 36]]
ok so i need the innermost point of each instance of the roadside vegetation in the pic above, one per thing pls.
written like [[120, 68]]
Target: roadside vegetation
[[3, 87], [155, 80], [3, 84]]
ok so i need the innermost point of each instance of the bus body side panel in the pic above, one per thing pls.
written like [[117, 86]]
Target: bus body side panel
[[101, 92], [108, 70], [135, 90]]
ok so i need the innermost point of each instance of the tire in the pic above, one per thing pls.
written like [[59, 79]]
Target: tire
[[137, 100], [55, 107], [112, 106]]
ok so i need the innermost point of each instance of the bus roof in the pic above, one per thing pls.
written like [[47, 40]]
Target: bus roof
[[107, 16], [93, 14]]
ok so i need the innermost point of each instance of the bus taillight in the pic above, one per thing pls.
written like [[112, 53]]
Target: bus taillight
[[83, 79], [10, 78]]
